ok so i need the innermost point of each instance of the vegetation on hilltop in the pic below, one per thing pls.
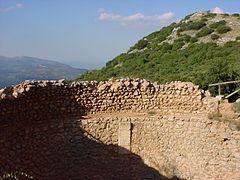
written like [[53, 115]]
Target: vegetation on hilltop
[[197, 49]]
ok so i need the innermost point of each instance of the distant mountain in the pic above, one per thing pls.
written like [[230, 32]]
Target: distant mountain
[[14, 70], [202, 48]]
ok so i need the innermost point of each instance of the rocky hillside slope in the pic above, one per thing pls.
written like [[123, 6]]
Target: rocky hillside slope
[[202, 48]]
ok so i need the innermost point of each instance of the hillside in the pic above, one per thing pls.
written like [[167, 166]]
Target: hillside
[[202, 48], [17, 69]]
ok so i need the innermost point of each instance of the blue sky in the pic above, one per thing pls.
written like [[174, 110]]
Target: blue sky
[[88, 33]]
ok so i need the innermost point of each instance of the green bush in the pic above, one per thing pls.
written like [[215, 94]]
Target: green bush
[[210, 15], [238, 38], [216, 24], [204, 32], [188, 16], [193, 39], [185, 38], [141, 44], [225, 15], [196, 25], [215, 36], [236, 14], [166, 47], [223, 29], [141, 61], [161, 35], [204, 19], [177, 45]]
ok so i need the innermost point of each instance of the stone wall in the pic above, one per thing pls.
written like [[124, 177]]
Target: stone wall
[[63, 150], [59, 98], [120, 129], [188, 148]]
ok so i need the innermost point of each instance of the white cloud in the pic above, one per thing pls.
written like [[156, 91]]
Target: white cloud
[[134, 17], [17, 5], [138, 19], [217, 10], [108, 17]]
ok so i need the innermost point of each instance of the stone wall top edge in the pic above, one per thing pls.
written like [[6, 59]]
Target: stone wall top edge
[[14, 91]]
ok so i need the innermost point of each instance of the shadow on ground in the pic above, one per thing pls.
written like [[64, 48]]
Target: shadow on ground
[[61, 151]]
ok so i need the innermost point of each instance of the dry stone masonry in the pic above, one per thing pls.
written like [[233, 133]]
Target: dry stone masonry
[[118, 129]]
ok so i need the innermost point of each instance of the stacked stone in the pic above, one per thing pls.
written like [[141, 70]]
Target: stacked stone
[[56, 98], [138, 95], [43, 134], [184, 147]]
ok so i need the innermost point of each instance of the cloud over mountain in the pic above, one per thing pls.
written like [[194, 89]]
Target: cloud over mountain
[[138, 19], [217, 10]]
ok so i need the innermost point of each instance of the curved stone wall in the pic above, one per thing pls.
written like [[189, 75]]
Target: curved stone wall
[[118, 129], [60, 99]]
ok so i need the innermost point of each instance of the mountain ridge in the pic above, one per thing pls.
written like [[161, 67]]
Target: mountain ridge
[[14, 70]]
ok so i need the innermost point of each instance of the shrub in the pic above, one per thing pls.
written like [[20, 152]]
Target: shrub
[[191, 25], [179, 32], [162, 34], [204, 32], [166, 47], [215, 36], [204, 19], [225, 15], [193, 39], [141, 44], [236, 14], [188, 16], [238, 38], [186, 38], [178, 40], [177, 45], [196, 25], [216, 24], [141, 61], [183, 38], [223, 29], [210, 15]]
